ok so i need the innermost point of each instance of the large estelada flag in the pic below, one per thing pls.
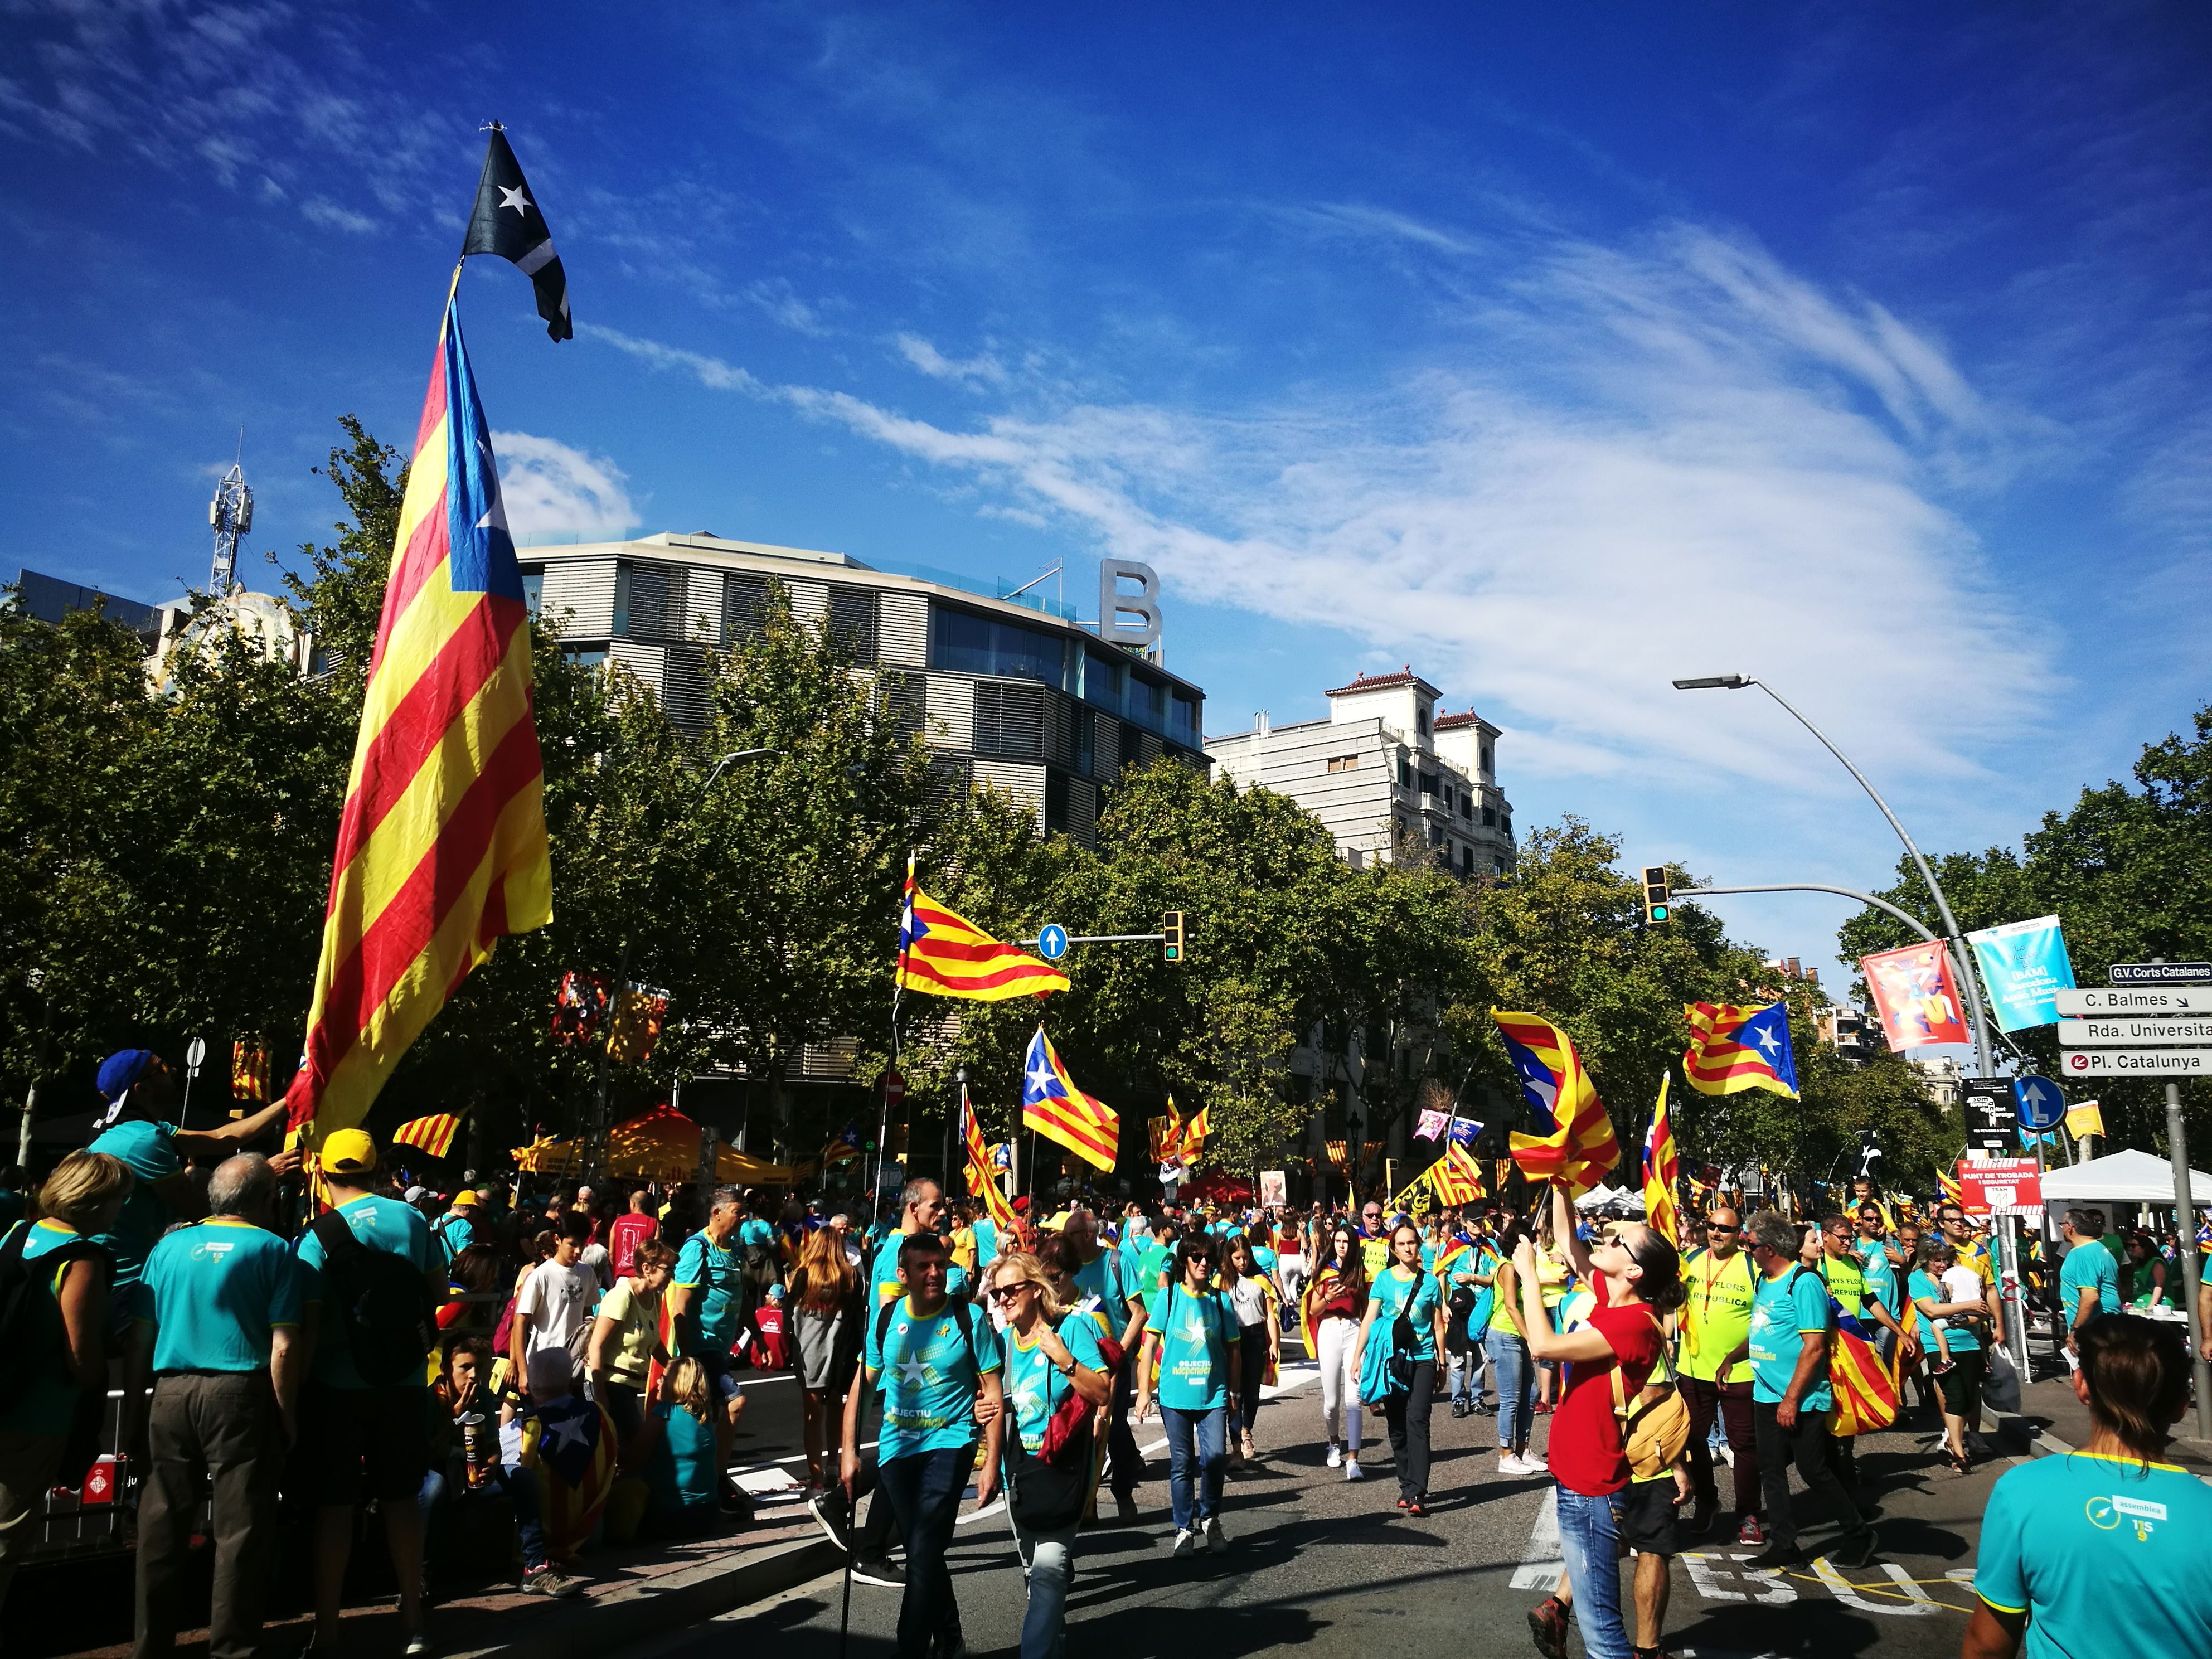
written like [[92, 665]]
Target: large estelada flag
[[1574, 1144], [1732, 1049], [982, 1178], [1663, 1168], [1054, 1107], [441, 844], [943, 954]]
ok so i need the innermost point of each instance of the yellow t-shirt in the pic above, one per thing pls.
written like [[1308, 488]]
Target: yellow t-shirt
[[964, 1250], [1716, 1314], [636, 1321]]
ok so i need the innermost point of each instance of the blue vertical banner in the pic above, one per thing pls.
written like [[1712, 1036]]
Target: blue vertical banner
[[2025, 966]]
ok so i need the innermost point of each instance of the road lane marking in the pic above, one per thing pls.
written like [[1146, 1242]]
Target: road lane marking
[[1916, 1603], [1541, 1563], [1762, 1585]]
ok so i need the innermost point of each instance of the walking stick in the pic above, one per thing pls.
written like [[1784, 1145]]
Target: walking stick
[[845, 1614]]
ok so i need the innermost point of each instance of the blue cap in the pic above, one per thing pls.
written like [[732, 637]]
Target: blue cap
[[120, 1070]]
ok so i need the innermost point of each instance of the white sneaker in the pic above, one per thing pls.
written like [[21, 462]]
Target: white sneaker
[[1351, 1470], [1183, 1543], [1335, 1456], [1531, 1463], [1214, 1537], [1200, 1538]]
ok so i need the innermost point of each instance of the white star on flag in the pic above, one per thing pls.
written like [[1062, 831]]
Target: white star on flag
[[512, 197], [1766, 1040], [1040, 1080]]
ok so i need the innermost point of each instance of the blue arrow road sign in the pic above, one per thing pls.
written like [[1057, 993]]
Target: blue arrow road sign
[[1052, 941], [2041, 1104]]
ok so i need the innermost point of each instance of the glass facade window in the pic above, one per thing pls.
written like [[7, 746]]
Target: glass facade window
[[1184, 719], [533, 588], [1103, 678], [968, 642]]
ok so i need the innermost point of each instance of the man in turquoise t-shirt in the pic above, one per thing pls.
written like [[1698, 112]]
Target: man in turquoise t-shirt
[[930, 1355], [2088, 1282], [140, 1093], [1192, 1328], [921, 1208], [357, 1439], [1100, 1275], [1790, 1396], [220, 1309]]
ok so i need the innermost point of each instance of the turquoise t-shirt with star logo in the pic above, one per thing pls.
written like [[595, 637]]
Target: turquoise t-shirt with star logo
[[1197, 1334], [1415, 1298], [928, 1375], [1035, 1386], [1781, 1310], [2104, 1554]]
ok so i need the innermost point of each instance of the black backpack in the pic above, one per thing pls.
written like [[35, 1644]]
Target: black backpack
[[381, 1301], [21, 1283]]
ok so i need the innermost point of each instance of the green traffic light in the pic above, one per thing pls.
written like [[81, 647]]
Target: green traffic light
[[1658, 913]]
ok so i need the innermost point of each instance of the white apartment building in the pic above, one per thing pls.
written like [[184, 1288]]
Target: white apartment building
[[1383, 770]]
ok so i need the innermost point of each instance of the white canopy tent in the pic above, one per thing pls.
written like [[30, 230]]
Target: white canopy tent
[[2121, 1177]]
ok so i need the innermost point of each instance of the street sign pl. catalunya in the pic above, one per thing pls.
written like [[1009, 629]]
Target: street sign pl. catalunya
[[2041, 1102], [1052, 941], [2137, 1062], [2137, 999], [2125, 1031]]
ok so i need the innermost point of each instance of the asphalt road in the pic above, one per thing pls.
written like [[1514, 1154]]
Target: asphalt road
[[1317, 1565]]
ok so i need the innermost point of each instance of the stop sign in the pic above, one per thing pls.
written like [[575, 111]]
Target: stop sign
[[894, 1089]]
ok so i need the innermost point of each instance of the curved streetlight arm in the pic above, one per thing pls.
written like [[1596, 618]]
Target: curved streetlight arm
[[1972, 986], [1815, 887]]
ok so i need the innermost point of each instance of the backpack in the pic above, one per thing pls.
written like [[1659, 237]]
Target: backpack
[[381, 1301], [21, 1283], [1652, 1432], [1048, 1489], [1864, 1387]]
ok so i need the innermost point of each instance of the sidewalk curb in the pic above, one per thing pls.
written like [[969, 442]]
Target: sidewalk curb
[[594, 1626]]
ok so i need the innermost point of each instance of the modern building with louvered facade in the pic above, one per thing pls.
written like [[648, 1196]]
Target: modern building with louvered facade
[[1009, 690]]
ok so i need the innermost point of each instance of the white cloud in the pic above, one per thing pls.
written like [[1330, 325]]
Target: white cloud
[[551, 489], [1672, 459], [332, 217], [935, 364]]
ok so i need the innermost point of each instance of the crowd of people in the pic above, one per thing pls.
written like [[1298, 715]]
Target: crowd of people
[[548, 1372]]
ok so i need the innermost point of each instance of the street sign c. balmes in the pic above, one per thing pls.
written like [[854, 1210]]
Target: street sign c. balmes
[[2137, 1000]]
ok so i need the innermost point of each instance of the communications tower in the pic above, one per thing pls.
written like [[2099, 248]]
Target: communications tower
[[230, 515]]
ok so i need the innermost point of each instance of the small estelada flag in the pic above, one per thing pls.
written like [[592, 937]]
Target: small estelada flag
[[506, 222]]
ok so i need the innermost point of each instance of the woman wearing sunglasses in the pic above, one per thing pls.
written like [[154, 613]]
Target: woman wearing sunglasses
[[1049, 1353], [1191, 1331]]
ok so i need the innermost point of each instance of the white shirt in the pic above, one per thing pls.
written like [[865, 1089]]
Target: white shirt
[[553, 1304]]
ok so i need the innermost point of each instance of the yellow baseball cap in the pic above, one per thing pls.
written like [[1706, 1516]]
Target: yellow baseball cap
[[349, 1151]]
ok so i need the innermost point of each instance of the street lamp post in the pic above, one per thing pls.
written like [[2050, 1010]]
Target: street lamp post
[[1969, 982]]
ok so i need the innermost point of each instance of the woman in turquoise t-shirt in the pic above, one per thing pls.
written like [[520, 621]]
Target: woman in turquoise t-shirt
[[679, 1468], [1048, 1354], [1191, 1330], [2101, 1550], [1405, 1288]]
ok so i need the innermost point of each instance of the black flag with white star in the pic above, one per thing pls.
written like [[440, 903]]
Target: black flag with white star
[[506, 222]]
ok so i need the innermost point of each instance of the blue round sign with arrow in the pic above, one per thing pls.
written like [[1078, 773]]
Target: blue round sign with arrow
[[2041, 1103], [1052, 941]]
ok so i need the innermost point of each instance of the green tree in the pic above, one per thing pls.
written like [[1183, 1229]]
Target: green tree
[[2128, 871]]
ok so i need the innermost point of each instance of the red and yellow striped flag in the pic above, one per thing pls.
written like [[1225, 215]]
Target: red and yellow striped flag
[[1060, 1112], [442, 845], [982, 1179], [943, 954], [1456, 1178], [433, 1134], [1574, 1144], [1663, 1167], [1194, 1134]]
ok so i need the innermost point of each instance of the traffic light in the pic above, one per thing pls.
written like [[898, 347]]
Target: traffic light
[[1171, 936], [1658, 903]]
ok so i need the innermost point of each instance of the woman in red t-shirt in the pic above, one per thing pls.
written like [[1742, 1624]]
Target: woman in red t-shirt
[[1636, 1276]]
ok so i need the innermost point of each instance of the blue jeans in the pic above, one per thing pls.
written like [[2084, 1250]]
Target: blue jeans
[[1515, 1379], [1047, 1568], [924, 1489], [1206, 1428], [521, 1486], [1589, 1539]]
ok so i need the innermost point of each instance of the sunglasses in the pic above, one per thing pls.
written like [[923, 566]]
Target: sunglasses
[[1007, 1293], [1721, 1227]]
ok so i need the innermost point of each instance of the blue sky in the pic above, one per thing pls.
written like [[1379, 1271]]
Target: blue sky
[[1556, 352]]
